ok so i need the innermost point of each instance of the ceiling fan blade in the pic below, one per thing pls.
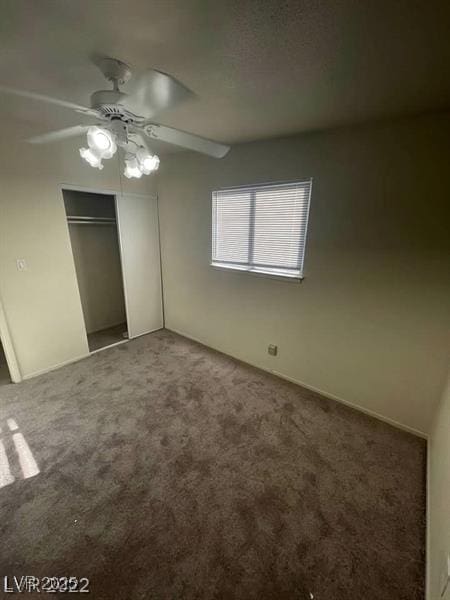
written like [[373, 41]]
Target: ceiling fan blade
[[186, 140], [153, 92], [59, 134], [41, 98]]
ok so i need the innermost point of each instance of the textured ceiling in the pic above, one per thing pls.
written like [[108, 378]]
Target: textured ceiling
[[259, 68]]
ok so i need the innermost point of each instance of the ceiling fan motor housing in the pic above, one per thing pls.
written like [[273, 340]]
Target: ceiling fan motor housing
[[109, 104]]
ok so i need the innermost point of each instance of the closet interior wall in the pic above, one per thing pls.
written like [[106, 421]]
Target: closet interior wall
[[4, 370], [95, 246]]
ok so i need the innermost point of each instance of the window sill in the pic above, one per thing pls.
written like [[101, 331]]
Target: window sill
[[271, 274]]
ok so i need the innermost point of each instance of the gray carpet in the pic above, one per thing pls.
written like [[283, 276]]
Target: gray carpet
[[170, 471]]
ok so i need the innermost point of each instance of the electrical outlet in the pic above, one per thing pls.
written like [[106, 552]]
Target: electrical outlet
[[21, 264], [445, 575], [272, 349]]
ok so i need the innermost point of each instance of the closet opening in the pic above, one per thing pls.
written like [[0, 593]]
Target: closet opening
[[5, 377], [92, 223]]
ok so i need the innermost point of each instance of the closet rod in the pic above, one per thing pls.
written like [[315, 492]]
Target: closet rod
[[79, 220], [90, 223]]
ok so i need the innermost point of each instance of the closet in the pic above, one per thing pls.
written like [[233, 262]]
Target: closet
[[115, 246]]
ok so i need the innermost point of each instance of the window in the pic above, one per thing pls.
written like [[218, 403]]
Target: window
[[261, 228]]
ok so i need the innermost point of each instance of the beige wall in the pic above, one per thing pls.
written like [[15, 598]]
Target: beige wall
[[42, 305], [439, 496], [370, 322]]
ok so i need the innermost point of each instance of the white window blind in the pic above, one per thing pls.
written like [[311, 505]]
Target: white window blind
[[261, 228]]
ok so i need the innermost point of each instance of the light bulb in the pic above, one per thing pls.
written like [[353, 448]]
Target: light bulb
[[91, 157], [132, 169], [101, 141], [147, 162], [151, 163]]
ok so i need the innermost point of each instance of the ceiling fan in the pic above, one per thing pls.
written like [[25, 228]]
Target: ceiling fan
[[126, 120]]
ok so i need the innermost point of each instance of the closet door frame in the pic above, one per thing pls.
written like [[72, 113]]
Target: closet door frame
[[117, 194], [104, 192]]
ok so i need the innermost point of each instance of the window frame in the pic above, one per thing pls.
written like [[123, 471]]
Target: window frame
[[262, 270]]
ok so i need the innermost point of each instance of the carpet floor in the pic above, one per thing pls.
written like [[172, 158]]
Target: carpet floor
[[169, 471]]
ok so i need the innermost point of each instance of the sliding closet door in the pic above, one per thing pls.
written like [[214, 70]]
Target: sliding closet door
[[137, 219]]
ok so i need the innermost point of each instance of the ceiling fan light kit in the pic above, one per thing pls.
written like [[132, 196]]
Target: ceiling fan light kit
[[125, 120], [103, 144]]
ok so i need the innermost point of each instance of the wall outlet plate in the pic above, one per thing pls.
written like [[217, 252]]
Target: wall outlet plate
[[21, 264], [272, 349]]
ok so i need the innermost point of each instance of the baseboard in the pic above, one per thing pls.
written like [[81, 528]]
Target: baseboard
[[366, 411], [55, 367], [76, 359], [324, 393], [124, 341], [146, 332]]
